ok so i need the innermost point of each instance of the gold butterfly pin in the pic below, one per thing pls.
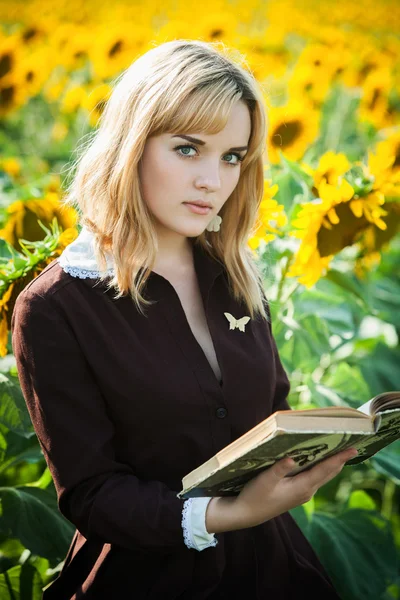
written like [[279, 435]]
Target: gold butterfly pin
[[236, 323]]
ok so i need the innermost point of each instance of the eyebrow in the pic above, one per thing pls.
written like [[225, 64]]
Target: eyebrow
[[202, 143]]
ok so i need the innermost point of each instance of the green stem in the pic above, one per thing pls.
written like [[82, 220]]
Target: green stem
[[282, 280], [9, 587], [387, 500], [336, 123]]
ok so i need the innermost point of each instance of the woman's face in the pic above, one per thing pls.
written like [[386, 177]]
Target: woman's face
[[174, 170]]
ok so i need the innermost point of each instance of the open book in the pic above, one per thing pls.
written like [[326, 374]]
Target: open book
[[308, 436]]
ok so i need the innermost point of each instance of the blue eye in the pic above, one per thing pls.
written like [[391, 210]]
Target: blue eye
[[233, 164]]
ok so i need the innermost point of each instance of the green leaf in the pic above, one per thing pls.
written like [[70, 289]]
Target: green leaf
[[32, 454], [352, 544], [349, 282], [360, 499], [31, 515], [381, 369], [338, 314], [299, 175], [324, 396], [288, 189], [13, 411], [20, 582], [301, 517], [303, 346], [7, 252], [3, 447], [393, 591], [348, 381], [387, 461], [385, 294], [44, 480]]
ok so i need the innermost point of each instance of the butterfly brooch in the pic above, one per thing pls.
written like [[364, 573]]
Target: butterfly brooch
[[236, 323]]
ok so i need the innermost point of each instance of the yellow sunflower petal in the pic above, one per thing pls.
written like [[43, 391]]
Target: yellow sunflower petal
[[334, 219], [356, 208]]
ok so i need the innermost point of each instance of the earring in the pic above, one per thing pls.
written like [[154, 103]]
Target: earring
[[214, 224]]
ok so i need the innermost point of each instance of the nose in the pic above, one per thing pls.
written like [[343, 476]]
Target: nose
[[209, 178]]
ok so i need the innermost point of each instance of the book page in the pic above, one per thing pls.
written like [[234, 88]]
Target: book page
[[385, 401], [388, 432]]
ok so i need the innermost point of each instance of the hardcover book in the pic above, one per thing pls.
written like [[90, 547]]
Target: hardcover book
[[307, 436]]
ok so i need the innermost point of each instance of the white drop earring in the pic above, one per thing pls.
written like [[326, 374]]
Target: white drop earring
[[214, 224]]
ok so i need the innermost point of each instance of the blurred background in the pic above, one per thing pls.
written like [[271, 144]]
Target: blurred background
[[327, 235]]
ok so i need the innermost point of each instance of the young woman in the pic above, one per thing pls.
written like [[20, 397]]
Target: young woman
[[127, 362]]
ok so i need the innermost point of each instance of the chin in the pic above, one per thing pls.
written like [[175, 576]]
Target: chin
[[192, 230]]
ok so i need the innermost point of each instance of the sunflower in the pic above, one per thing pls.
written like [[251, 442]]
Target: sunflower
[[73, 99], [34, 69], [384, 168], [95, 101], [10, 54], [366, 60], [336, 219], [384, 165], [23, 218], [373, 240], [328, 61], [13, 94], [116, 47], [330, 169], [74, 43], [4, 326], [218, 25], [8, 298], [292, 128], [375, 99], [309, 83], [11, 166], [270, 216], [267, 58]]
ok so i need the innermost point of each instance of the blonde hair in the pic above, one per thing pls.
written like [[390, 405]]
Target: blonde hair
[[180, 85]]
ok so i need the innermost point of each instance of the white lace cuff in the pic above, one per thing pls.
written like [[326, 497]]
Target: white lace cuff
[[195, 533]]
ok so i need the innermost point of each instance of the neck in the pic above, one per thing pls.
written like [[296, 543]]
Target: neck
[[174, 256]]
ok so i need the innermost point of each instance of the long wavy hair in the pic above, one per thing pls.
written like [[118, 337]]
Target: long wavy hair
[[180, 85]]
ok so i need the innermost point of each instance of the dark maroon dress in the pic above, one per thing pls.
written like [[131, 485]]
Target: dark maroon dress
[[124, 406]]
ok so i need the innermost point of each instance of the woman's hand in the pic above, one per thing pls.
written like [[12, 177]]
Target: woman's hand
[[270, 493]]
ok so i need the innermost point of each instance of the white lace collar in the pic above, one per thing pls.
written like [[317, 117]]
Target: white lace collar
[[78, 258]]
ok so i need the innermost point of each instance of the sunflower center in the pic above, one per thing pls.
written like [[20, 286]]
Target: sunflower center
[[397, 157], [375, 97], [286, 134], [29, 34], [115, 48], [331, 241], [215, 33], [5, 64], [7, 95]]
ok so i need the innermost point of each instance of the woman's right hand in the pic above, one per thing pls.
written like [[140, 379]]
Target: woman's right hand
[[270, 493]]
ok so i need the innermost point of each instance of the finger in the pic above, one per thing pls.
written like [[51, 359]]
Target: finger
[[281, 468], [325, 470]]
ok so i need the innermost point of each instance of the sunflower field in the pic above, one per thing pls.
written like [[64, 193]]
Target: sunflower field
[[327, 235]]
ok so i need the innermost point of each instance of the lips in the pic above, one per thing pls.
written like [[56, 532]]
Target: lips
[[197, 208], [200, 203]]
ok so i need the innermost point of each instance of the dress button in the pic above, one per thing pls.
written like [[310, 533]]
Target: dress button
[[221, 412]]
